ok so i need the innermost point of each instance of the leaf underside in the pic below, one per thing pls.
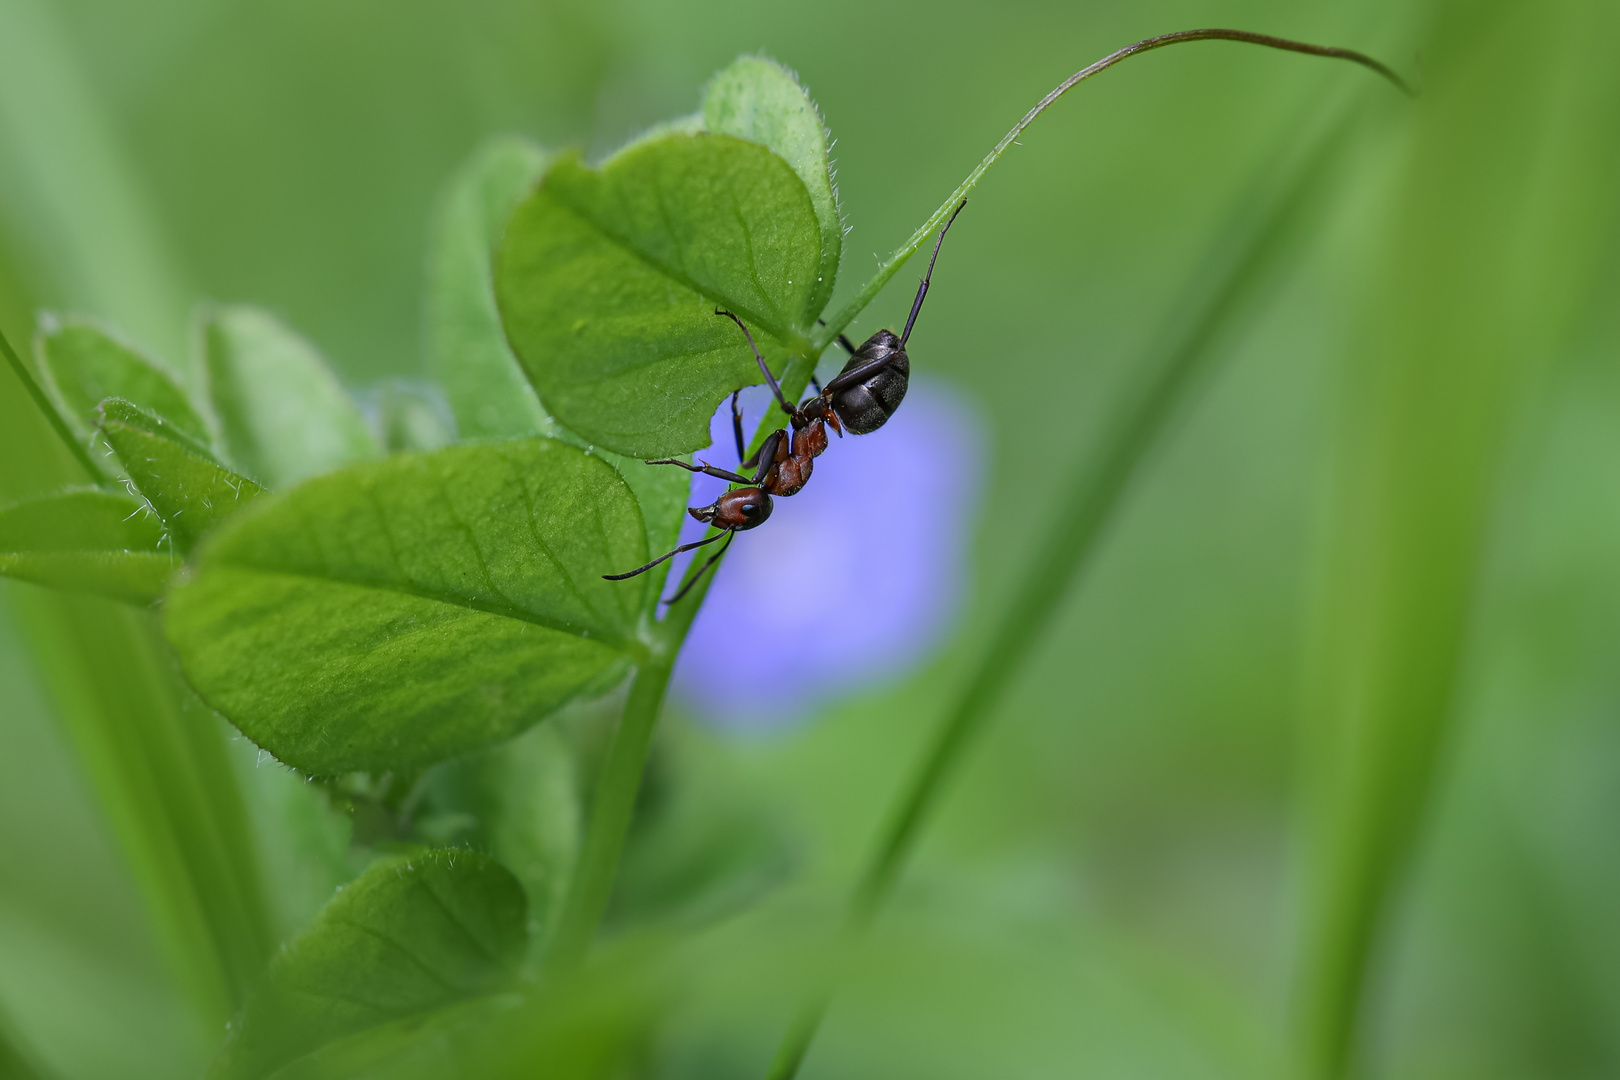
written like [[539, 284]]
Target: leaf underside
[[761, 101], [608, 281], [400, 612], [398, 946]]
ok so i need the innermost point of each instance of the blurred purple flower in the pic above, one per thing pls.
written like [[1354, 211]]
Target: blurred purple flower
[[852, 580]]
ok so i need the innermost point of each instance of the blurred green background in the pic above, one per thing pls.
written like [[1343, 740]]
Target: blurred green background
[[1126, 879]]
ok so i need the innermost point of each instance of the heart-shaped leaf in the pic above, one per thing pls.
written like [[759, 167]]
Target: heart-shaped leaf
[[283, 415], [403, 941], [84, 363], [487, 389], [608, 280], [761, 101], [188, 490], [403, 611], [86, 541]]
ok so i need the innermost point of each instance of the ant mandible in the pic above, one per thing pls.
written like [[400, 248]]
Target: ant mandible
[[859, 399]]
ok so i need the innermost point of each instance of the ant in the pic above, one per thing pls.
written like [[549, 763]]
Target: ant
[[860, 399]]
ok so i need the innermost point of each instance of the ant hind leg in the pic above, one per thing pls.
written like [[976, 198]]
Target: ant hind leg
[[705, 468]]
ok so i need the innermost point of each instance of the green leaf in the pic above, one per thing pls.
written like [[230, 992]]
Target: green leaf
[[421, 1047], [467, 348], [608, 280], [404, 611], [86, 541], [283, 415], [408, 937], [761, 101], [83, 363], [188, 490], [519, 801]]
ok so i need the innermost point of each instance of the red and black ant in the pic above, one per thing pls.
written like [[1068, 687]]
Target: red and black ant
[[859, 399]]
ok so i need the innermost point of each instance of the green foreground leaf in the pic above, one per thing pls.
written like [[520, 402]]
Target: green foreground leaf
[[87, 541], [401, 612], [283, 415], [608, 280], [400, 943], [188, 490]]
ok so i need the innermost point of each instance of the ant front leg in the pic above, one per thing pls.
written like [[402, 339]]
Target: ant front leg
[[705, 468], [764, 368]]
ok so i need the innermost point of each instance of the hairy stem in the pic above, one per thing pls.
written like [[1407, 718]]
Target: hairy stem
[[829, 331], [52, 417], [1241, 260]]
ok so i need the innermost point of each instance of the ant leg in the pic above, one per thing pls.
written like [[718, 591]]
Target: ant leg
[[684, 589], [922, 290], [736, 425], [775, 389], [706, 469], [815, 382], [764, 457], [666, 555], [856, 375], [842, 339]]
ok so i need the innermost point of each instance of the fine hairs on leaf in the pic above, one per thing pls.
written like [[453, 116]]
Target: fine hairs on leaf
[[177, 477], [87, 540]]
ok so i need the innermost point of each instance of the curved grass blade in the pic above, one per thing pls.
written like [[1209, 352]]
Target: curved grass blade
[[1260, 235]]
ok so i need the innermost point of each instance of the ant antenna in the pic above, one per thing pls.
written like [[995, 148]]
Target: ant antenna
[[775, 389], [684, 589], [922, 290], [668, 555]]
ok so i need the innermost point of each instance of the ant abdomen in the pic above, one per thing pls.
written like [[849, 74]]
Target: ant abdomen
[[867, 405]]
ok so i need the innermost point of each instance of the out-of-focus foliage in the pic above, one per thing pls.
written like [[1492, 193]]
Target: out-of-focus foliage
[[406, 939], [1165, 859]]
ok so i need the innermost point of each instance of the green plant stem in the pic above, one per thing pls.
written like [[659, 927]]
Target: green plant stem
[[829, 331], [1243, 257], [52, 417], [614, 804], [611, 811]]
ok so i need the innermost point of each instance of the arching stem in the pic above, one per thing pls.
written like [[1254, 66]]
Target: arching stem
[[827, 332]]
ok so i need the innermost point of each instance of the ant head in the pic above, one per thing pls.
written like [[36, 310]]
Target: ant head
[[738, 509]]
